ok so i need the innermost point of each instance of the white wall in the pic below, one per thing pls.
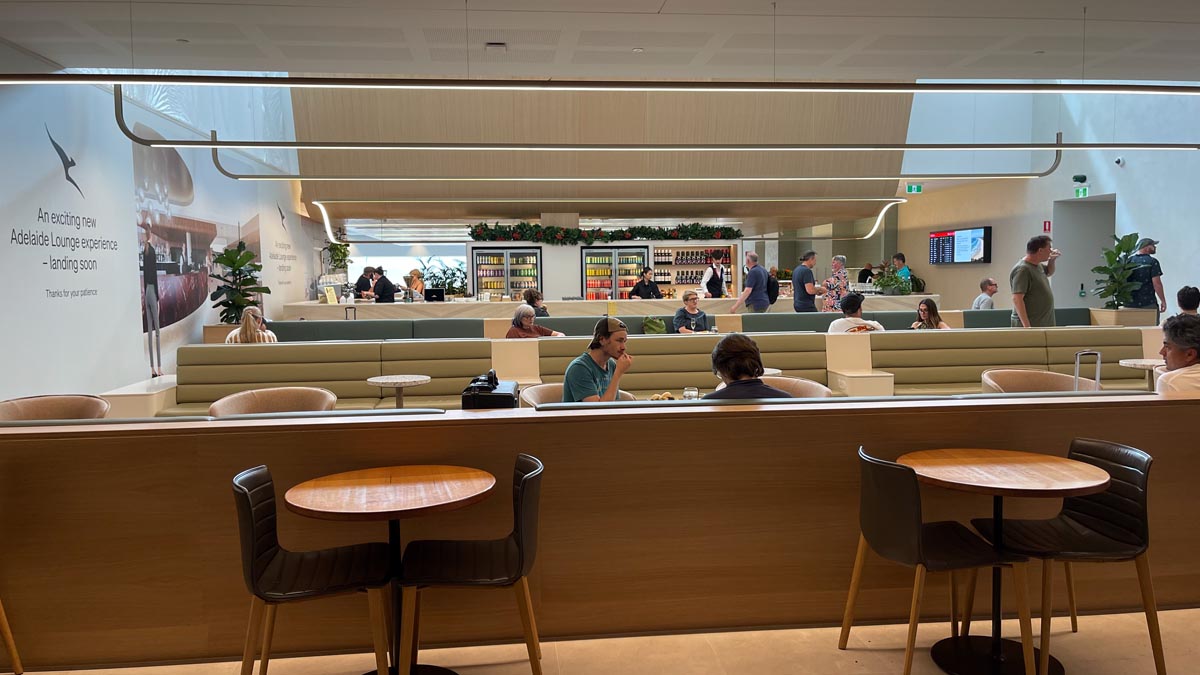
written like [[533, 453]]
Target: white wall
[[1154, 193], [89, 338]]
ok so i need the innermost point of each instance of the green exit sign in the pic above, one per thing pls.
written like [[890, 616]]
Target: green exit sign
[[1081, 191], [913, 188]]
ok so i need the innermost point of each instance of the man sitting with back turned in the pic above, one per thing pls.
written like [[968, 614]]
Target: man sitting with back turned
[[852, 321], [1181, 350], [596, 374], [737, 361]]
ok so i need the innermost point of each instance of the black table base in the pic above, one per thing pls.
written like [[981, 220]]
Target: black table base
[[973, 655]]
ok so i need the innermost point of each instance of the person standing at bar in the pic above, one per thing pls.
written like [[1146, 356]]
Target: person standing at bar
[[384, 290], [1149, 275], [714, 278], [754, 295], [645, 288], [364, 282], [1033, 301], [837, 285], [804, 284]]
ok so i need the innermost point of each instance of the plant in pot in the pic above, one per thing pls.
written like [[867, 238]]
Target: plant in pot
[[339, 256], [889, 282], [1114, 284], [239, 284]]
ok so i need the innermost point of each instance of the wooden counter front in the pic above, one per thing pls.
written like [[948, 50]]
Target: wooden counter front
[[312, 310], [122, 542]]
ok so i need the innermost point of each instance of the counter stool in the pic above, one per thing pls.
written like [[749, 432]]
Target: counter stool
[[500, 562], [275, 575], [1111, 526], [890, 521]]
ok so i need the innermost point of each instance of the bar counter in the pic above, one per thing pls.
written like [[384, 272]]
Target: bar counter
[[313, 310], [122, 540]]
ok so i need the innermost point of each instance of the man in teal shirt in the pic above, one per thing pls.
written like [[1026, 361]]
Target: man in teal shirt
[[596, 374], [901, 264]]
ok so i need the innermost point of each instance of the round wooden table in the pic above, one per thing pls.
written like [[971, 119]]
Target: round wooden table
[[391, 493], [1147, 365], [399, 382], [999, 473]]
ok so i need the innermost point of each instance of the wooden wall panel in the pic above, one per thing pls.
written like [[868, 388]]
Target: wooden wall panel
[[121, 542]]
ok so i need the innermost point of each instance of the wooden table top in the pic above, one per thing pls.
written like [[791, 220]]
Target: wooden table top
[[1144, 364], [1006, 473], [398, 380], [390, 492]]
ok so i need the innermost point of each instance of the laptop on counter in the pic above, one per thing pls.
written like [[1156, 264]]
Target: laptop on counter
[[435, 295]]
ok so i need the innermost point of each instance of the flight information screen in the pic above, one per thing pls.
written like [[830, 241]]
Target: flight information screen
[[972, 245]]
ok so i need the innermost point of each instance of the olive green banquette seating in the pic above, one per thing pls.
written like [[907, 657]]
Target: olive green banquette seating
[[205, 373], [952, 362], [670, 363]]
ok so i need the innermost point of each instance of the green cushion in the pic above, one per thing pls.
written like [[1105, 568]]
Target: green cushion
[[987, 318], [424, 329], [366, 329], [1072, 316], [893, 319], [778, 322], [570, 325]]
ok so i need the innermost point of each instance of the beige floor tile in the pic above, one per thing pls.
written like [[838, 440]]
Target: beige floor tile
[[658, 655]]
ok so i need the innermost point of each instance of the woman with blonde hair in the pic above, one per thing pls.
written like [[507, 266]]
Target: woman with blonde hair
[[253, 329], [416, 282]]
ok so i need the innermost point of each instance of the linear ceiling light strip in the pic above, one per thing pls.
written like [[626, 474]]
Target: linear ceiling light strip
[[116, 79], [614, 179], [212, 142], [320, 204]]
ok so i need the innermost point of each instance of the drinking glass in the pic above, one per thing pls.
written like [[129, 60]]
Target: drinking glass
[[690, 393]]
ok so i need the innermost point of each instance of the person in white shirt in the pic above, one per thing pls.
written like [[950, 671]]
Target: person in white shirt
[[715, 279], [984, 300], [1181, 351], [852, 321]]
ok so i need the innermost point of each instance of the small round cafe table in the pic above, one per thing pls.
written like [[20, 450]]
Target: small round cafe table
[[999, 473], [1147, 365], [399, 382], [391, 493]]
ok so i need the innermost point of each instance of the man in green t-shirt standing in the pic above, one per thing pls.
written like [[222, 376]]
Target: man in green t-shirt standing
[[1033, 301]]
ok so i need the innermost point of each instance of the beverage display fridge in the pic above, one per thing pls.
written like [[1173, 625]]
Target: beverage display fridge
[[506, 271], [609, 272]]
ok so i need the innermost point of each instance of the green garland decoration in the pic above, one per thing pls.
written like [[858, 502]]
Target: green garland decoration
[[571, 236]]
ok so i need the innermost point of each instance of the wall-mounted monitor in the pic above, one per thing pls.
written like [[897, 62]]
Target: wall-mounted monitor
[[970, 245]]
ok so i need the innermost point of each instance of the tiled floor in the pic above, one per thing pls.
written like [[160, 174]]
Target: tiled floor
[[1105, 645]]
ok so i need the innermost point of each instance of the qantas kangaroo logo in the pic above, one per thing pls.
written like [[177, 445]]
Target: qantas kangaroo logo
[[67, 162]]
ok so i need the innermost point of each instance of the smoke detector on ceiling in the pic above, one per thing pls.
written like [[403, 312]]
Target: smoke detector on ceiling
[[500, 47]]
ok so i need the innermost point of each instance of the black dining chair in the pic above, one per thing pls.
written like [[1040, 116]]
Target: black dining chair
[[498, 562], [275, 575], [890, 523], [1110, 526]]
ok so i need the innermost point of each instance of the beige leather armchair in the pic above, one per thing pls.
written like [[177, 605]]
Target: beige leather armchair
[[1004, 381], [276, 399], [60, 407]]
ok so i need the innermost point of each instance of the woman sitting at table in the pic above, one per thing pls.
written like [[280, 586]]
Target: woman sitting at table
[[533, 298], [417, 283], [524, 327], [690, 318], [928, 317], [737, 361], [253, 329]]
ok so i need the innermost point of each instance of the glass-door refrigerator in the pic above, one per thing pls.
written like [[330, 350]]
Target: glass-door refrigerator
[[610, 272], [506, 271]]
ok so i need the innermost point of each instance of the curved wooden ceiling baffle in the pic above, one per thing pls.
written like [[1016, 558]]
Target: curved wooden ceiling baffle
[[600, 117]]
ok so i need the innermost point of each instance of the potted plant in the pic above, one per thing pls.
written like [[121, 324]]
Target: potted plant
[[339, 256], [1115, 286], [239, 284], [889, 282]]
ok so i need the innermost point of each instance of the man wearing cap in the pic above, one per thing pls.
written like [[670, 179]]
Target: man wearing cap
[[596, 374], [1149, 275], [1181, 351]]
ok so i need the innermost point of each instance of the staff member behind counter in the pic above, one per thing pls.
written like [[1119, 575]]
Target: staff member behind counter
[[384, 290], [645, 288]]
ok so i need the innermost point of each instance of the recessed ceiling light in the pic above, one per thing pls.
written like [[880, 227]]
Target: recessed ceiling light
[[638, 50]]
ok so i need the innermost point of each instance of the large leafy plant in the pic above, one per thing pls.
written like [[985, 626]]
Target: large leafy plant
[[339, 255], [438, 274], [239, 283], [1115, 284], [889, 281]]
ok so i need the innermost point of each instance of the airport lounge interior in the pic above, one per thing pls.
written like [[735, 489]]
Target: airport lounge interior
[[643, 337]]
